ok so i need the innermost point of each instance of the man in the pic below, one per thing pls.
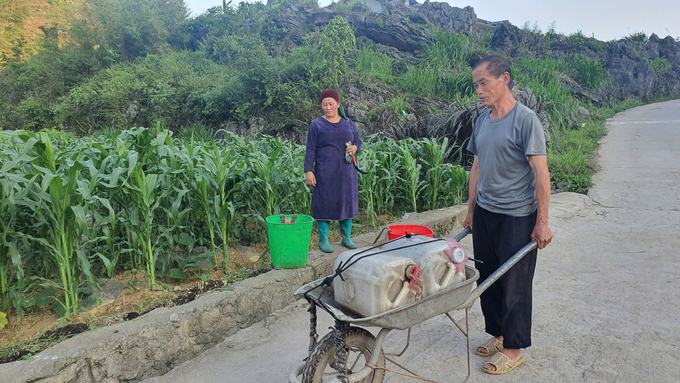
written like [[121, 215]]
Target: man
[[508, 207]]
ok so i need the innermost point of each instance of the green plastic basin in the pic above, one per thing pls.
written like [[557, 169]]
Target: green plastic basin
[[289, 242]]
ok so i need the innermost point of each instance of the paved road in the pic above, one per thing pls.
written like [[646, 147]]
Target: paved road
[[607, 290]]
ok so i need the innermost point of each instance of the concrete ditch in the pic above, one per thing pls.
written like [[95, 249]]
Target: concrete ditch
[[153, 344]]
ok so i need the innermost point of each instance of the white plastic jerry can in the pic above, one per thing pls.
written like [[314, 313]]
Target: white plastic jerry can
[[438, 270], [374, 284]]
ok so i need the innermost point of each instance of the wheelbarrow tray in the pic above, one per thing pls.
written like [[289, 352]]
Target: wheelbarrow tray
[[452, 298]]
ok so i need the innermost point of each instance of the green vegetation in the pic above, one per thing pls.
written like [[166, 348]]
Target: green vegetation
[[374, 64], [121, 198], [638, 37], [140, 200], [589, 72], [570, 157], [449, 50], [660, 65], [23, 36], [149, 63]]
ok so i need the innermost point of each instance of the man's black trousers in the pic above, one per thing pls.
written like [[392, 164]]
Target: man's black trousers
[[506, 305]]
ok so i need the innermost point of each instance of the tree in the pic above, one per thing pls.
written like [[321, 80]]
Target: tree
[[135, 28], [334, 42]]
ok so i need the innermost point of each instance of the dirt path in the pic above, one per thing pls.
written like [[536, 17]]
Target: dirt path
[[607, 290]]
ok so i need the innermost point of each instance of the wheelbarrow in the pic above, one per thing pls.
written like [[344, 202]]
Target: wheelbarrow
[[328, 357]]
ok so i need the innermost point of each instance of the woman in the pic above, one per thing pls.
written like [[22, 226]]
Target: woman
[[336, 186]]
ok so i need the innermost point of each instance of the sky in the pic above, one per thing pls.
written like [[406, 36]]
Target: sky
[[604, 19]]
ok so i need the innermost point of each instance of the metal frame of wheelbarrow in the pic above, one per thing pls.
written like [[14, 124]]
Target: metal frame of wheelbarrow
[[455, 297]]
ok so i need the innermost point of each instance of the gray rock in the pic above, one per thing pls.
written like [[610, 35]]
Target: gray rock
[[110, 289], [451, 19], [506, 37], [517, 42], [585, 93], [393, 29], [631, 74], [583, 112], [133, 110]]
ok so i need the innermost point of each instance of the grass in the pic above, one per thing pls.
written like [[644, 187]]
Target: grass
[[448, 50], [570, 158], [372, 63]]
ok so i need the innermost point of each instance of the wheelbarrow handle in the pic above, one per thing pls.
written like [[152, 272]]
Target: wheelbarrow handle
[[476, 293], [462, 234]]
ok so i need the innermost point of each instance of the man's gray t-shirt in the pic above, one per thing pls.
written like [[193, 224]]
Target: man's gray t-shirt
[[506, 182]]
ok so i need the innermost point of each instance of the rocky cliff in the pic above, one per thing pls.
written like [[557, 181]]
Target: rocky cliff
[[629, 63], [406, 29]]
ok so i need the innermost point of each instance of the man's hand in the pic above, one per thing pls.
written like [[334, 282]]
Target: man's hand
[[472, 187], [310, 179], [542, 234], [468, 220]]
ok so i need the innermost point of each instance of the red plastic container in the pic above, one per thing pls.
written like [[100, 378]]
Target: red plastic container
[[396, 231]]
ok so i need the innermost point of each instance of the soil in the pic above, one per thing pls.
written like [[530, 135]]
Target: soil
[[42, 327]]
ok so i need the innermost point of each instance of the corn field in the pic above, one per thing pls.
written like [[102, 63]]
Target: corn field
[[139, 200]]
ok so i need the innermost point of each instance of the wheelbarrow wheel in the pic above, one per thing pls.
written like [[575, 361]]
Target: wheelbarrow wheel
[[320, 365]]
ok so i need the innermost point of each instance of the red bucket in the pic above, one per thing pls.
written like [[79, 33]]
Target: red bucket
[[396, 231]]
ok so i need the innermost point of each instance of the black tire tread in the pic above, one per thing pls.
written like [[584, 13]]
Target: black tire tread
[[326, 345]]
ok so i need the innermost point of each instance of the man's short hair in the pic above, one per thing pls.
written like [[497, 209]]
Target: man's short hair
[[497, 65]]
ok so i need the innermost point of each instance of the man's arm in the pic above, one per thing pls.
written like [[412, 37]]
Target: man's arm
[[472, 187], [541, 232]]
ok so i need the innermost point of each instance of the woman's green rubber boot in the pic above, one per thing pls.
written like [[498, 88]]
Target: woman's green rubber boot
[[324, 245], [346, 233]]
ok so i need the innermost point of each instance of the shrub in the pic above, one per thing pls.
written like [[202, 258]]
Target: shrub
[[638, 37], [551, 35], [660, 65]]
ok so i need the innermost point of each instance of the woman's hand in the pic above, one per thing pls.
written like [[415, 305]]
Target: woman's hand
[[310, 179], [352, 149]]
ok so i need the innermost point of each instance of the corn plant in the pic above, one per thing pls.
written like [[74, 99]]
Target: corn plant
[[387, 176], [455, 185], [145, 197], [219, 171], [136, 200], [200, 186], [61, 205], [143, 185], [105, 181], [298, 197], [434, 155], [15, 221], [174, 232], [412, 184], [262, 181], [370, 164], [13, 191]]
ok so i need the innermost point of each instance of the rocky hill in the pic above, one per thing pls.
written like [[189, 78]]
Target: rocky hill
[[630, 62], [256, 68], [636, 67]]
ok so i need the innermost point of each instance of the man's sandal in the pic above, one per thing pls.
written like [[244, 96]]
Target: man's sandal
[[503, 364], [492, 346]]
